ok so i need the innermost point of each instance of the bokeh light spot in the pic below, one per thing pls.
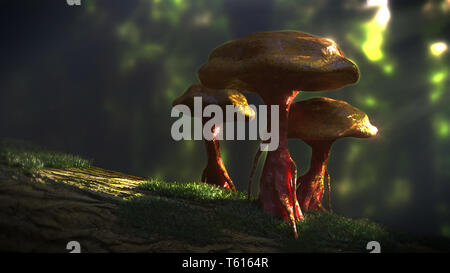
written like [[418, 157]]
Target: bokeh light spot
[[438, 48], [438, 77], [370, 101], [400, 193]]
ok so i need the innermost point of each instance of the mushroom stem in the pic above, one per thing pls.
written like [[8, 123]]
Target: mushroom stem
[[310, 191], [328, 191], [215, 172], [252, 172], [277, 183]]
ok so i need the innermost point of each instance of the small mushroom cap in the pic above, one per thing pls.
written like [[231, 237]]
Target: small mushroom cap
[[325, 119], [289, 60], [219, 97]]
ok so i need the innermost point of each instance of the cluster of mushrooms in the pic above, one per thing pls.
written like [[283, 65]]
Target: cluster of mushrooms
[[277, 65]]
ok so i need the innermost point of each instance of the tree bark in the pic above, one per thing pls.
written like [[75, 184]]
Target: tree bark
[[45, 211]]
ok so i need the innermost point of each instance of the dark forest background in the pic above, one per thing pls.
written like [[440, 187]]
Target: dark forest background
[[98, 80]]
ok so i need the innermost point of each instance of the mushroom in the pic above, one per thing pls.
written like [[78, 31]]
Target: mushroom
[[319, 122], [215, 172], [276, 65]]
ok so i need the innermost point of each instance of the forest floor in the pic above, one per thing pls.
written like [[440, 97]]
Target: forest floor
[[48, 199]]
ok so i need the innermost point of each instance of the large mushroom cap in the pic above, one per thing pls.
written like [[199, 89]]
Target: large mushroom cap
[[325, 119], [219, 97], [285, 60]]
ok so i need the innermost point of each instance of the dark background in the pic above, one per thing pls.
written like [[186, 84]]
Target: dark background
[[98, 80]]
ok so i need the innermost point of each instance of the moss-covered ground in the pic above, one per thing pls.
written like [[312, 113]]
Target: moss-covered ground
[[199, 214], [31, 158]]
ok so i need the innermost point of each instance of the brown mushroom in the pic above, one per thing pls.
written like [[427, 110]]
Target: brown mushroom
[[319, 122], [275, 65], [215, 172]]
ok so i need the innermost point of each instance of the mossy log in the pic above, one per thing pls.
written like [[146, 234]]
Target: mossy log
[[44, 211]]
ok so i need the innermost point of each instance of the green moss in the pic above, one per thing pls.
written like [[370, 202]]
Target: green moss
[[201, 192], [203, 214], [197, 212], [195, 223], [31, 158], [331, 232], [167, 217]]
